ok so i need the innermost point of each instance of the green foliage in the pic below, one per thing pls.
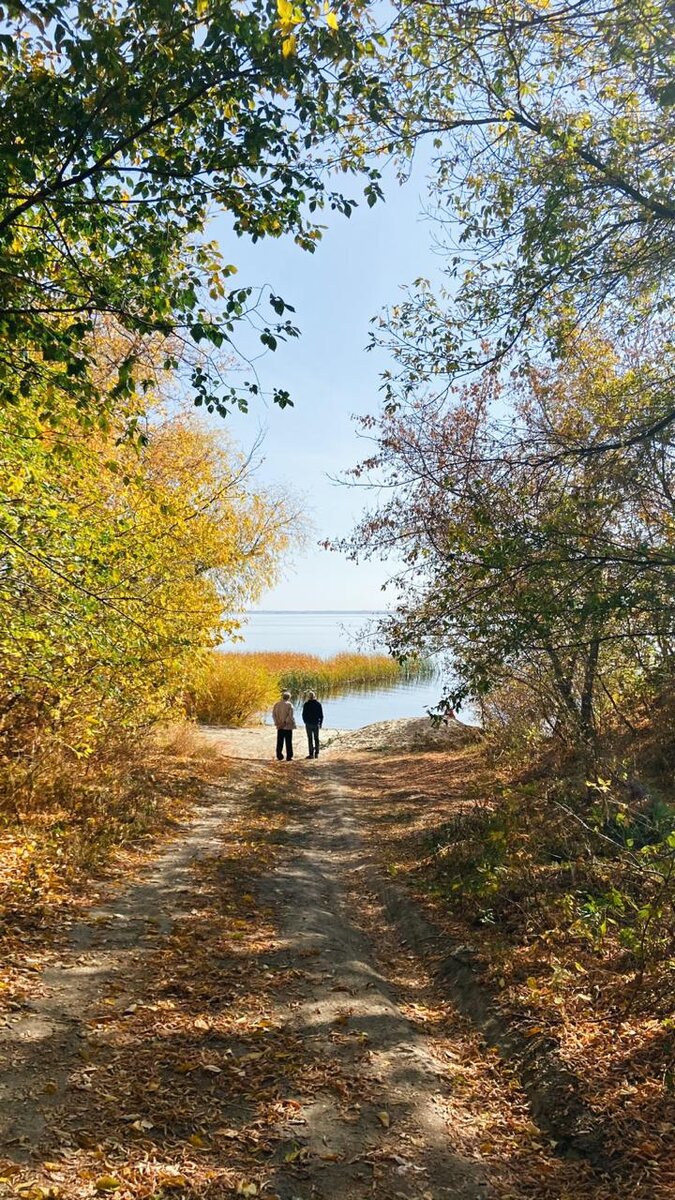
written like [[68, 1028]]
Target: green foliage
[[519, 862], [545, 575], [552, 181], [121, 129]]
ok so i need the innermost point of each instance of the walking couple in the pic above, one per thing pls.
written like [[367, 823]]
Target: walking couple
[[283, 716]]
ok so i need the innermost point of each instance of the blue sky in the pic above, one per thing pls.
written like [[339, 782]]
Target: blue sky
[[357, 269]]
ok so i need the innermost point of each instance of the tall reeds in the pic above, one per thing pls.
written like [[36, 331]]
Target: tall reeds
[[230, 688], [233, 687]]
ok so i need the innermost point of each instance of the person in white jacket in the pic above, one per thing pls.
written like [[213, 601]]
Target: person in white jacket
[[284, 719]]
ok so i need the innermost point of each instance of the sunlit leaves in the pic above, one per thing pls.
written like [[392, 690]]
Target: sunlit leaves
[[124, 130], [121, 563], [553, 174]]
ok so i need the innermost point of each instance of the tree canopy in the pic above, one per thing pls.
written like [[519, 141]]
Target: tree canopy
[[119, 566], [552, 181], [525, 566], [121, 129]]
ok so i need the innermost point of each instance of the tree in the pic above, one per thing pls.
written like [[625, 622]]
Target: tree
[[521, 564], [120, 567], [121, 129], [552, 184]]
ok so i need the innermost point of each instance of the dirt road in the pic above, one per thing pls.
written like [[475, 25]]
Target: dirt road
[[244, 1020]]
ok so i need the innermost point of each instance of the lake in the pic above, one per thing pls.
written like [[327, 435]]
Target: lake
[[330, 633]]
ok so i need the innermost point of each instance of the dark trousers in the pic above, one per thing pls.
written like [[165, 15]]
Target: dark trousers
[[313, 738], [285, 738]]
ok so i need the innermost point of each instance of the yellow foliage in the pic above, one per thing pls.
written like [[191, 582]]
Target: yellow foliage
[[230, 689], [122, 566]]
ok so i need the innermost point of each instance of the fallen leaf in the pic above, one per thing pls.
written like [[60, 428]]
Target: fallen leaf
[[198, 1141], [34, 1191], [107, 1183], [296, 1154], [384, 1119]]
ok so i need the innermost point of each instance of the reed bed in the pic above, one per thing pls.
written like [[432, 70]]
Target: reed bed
[[232, 687], [229, 689]]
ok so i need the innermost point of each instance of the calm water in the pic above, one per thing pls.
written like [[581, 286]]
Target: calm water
[[329, 633]]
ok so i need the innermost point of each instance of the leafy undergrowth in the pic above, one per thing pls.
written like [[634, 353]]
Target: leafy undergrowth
[[57, 856], [554, 915]]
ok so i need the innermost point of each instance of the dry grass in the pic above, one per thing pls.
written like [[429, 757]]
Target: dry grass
[[492, 864], [87, 823], [232, 688]]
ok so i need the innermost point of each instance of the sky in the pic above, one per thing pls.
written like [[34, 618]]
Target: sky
[[358, 268]]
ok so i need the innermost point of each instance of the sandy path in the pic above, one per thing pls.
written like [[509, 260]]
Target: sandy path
[[238, 1021], [256, 743], [392, 1131], [105, 952]]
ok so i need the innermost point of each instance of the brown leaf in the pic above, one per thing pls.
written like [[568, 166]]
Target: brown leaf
[[198, 1141], [247, 1189]]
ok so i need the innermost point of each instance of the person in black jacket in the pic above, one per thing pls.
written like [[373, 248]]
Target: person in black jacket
[[312, 715]]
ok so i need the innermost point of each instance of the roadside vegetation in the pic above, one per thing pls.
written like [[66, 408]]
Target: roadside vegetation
[[523, 466], [121, 565], [547, 574], [124, 560], [92, 825], [557, 925], [234, 688]]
